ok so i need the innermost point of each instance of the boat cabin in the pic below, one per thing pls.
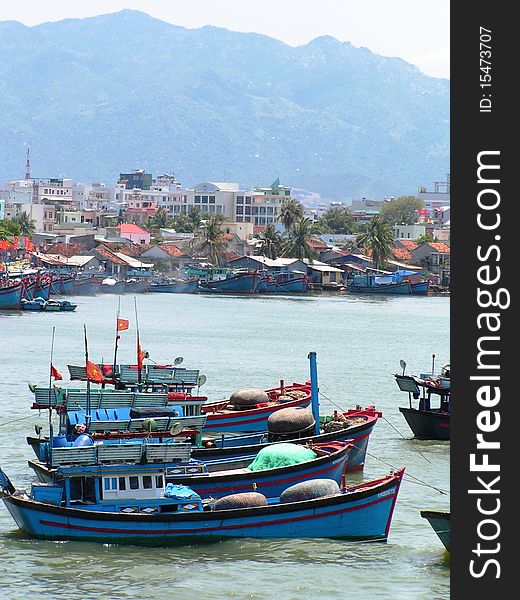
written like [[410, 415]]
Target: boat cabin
[[117, 488]]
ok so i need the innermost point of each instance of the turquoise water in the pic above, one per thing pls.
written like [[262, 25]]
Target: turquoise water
[[242, 342]]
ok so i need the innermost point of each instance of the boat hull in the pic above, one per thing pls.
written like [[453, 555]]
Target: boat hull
[[440, 521], [427, 424], [239, 284], [388, 288], [298, 285], [11, 296], [420, 288], [362, 513], [86, 287], [187, 287]]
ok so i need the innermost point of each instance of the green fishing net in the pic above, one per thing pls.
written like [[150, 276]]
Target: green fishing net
[[281, 455]]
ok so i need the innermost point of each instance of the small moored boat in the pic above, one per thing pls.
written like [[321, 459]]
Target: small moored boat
[[426, 421], [440, 521]]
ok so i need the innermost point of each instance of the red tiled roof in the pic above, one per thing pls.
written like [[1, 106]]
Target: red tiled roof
[[130, 228], [401, 254], [110, 256], [67, 250], [440, 247], [409, 244], [135, 249], [172, 250]]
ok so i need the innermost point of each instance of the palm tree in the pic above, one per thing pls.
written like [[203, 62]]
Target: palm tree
[[290, 212], [161, 220], [297, 243], [378, 239], [26, 224], [271, 242], [213, 242]]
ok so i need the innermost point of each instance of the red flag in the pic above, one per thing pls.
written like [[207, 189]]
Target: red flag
[[122, 324], [140, 356], [93, 372], [55, 373], [422, 211]]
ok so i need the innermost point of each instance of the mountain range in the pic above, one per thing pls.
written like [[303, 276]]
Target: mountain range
[[102, 95]]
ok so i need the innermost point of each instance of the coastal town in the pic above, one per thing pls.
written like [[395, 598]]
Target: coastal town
[[153, 228]]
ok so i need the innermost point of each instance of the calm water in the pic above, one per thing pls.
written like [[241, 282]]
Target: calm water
[[241, 342]]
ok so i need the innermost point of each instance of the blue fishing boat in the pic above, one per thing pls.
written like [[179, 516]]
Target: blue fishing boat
[[441, 524], [43, 285], [373, 283], [62, 285], [298, 464], [238, 283], [178, 286], [116, 415], [284, 282], [86, 286], [29, 287], [427, 422], [118, 504], [58, 305], [36, 304], [420, 288], [10, 294]]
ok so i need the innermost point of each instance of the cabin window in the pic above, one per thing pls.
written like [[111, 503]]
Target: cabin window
[[134, 483], [147, 482], [114, 483], [158, 481], [107, 484], [122, 483]]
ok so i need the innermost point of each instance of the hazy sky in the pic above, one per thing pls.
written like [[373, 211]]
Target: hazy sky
[[415, 30]]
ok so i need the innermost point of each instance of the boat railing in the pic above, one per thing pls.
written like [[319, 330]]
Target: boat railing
[[119, 453], [159, 424]]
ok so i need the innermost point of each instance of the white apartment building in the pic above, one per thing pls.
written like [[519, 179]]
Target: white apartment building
[[261, 206], [214, 198]]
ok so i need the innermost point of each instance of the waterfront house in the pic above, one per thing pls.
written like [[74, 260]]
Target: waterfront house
[[435, 256], [171, 256], [130, 231]]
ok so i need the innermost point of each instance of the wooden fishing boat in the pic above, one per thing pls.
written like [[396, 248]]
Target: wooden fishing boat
[[36, 304], [371, 283], [43, 286], [354, 425], [180, 286], [108, 510], [136, 286], [224, 478], [239, 283], [10, 295], [86, 286], [58, 305], [427, 422], [440, 521], [110, 285], [117, 414], [420, 288], [286, 282], [67, 306]]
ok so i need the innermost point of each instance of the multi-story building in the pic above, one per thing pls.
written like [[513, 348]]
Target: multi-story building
[[55, 190], [214, 198], [261, 206], [136, 179]]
